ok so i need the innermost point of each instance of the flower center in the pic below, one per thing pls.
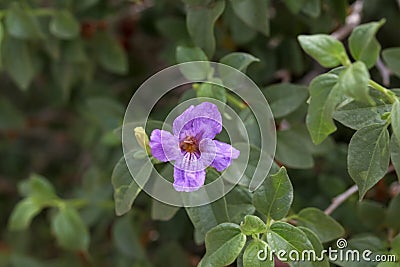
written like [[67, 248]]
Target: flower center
[[189, 144]]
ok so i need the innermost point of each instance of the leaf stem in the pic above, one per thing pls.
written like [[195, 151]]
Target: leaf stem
[[235, 101], [389, 94]]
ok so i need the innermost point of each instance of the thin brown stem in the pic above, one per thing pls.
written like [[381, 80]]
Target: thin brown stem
[[338, 200]]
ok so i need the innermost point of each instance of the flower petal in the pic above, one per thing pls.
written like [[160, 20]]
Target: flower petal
[[198, 161], [224, 155], [201, 121], [164, 146], [188, 181]]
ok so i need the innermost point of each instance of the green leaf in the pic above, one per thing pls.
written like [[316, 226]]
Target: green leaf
[[212, 91], [64, 25], [22, 24], [110, 54], [238, 202], [241, 33], [200, 20], [38, 188], [275, 196], [161, 211], [363, 44], [312, 8], [193, 72], [324, 98], [69, 229], [294, 5], [328, 51], [396, 245], [391, 56], [125, 187], [21, 68], [11, 117], [357, 115], [251, 254], [253, 14], [252, 225], [354, 82], [205, 217], [368, 156], [23, 214], [395, 120], [324, 226], [239, 60], [284, 236], [223, 244], [393, 213], [395, 154], [126, 238], [371, 213], [294, 148], [285, 98], [317, 247]]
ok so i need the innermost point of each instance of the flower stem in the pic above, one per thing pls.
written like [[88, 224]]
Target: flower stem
[[389, 94]]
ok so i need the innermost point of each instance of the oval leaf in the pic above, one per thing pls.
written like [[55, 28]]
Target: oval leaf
[[252, 225], [64, 25], [275, 195], [252, 253], [368, 156]]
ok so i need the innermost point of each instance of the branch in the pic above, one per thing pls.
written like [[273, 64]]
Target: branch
[[384, 71], [352, 21], [338, 200]]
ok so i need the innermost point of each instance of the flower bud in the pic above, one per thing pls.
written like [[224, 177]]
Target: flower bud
[[142, 138]]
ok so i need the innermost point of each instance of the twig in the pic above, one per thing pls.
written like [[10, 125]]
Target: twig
[[338, 200], [384, 71], [352, 21]]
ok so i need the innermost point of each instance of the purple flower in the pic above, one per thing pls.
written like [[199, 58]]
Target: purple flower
[[192, 147]]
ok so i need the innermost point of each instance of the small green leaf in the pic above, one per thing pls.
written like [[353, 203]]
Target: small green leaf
[[354, 82], [110, 54], [285, 98], [125, 187], [21, 23], [64, 25], [357, 115], [294, 148], [212, 91], [371, 213], [391, 56], [223, 245], [284, 236], [126, 238], [239, 60], [393, 213], [317, 247], [11, 117], [328, 51], [161, 211], [312, 8], [396, 245], [21, 68], [193, 72], [252, 252], [395, 154], [324, 98], [363, 44], [294, 5], [252, 225], [324, 226], [70, 231], [395, 119], [205, 217], [38, 187], [23, 214], [253, 14], [200, 20], [368, 156], [274, 197]]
